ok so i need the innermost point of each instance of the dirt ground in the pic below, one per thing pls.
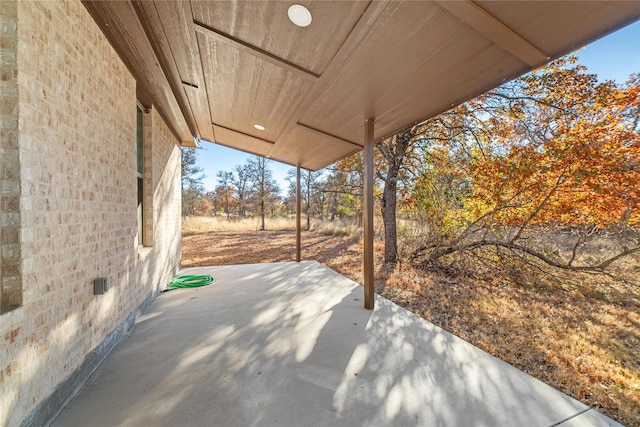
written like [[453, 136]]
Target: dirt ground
[[342, 254], [579, 334]]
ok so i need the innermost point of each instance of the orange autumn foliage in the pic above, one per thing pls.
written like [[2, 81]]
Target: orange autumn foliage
[[581, 163]]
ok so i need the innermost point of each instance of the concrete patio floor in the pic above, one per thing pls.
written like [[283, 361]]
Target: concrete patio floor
[[290, 344]]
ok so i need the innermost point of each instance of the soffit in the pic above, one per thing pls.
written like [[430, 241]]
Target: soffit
[[119, 22], [227, 65]]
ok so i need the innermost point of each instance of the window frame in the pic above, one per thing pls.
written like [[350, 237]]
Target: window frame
[[140, 173]]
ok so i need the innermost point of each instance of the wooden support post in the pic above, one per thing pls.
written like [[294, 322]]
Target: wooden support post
[[298, 209], [367, 207]]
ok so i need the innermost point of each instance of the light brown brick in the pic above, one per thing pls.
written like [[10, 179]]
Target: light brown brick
[[74, 161]]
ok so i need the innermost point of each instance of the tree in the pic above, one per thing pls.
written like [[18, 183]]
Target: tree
[[224, 184], [310, 184], [240, 182], [192, 176], [409, 157], [564, 152], [212, 198], [264, 189], [394, 150], [343, 188], [581, 166], [204, 206]]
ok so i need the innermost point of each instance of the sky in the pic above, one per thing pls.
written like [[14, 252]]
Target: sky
[[614, 57]]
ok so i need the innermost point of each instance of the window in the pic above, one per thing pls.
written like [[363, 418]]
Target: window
[[140, 173]]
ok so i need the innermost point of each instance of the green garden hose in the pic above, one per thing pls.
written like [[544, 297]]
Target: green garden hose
[[190, 281]]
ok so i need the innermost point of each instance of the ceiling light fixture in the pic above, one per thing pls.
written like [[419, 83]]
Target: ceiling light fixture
[[299, 15], [259, 127]]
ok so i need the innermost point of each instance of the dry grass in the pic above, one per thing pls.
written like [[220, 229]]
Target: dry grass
[[583, 340], [336, 228], [579, 333], [221, 223]]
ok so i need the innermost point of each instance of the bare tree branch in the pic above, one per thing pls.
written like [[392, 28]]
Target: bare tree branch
[[439, 253]]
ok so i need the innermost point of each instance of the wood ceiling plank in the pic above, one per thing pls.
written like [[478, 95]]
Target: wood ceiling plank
[[241, 141], [399, 62], [176, 38], [545, 23], [333, 72], [401, 77], [326, 134], [245, 90], [176, 23], [311, 149], [490, 27], [255, 51], [150, 20], [265, 25], [199, 105]]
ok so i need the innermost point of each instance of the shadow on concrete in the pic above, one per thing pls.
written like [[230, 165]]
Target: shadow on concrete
[[290, 344]]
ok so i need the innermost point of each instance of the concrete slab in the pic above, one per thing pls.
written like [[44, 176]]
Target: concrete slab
[[290, 344], [590, 418]]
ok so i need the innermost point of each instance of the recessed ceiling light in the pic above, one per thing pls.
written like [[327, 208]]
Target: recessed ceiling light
[[259, 127], [299, 15]]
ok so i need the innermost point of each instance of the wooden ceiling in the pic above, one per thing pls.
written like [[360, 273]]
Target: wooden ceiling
[[215, 69]]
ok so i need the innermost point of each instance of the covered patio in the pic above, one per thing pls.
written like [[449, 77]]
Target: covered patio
[[101, 94], [289, 344], [309, 84]]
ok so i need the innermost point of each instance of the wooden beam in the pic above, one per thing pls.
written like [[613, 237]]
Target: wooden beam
[[256, 51], [367, 207], [337, 138], [298, 209], [490, 27], [242, 133]]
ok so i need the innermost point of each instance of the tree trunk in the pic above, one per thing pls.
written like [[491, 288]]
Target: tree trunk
[[226, 208], [306, 211], [389, 219], [394, 151], [262, 214]]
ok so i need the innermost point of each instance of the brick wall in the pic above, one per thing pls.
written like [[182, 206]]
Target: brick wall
[[76, 140], [10, 278]]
